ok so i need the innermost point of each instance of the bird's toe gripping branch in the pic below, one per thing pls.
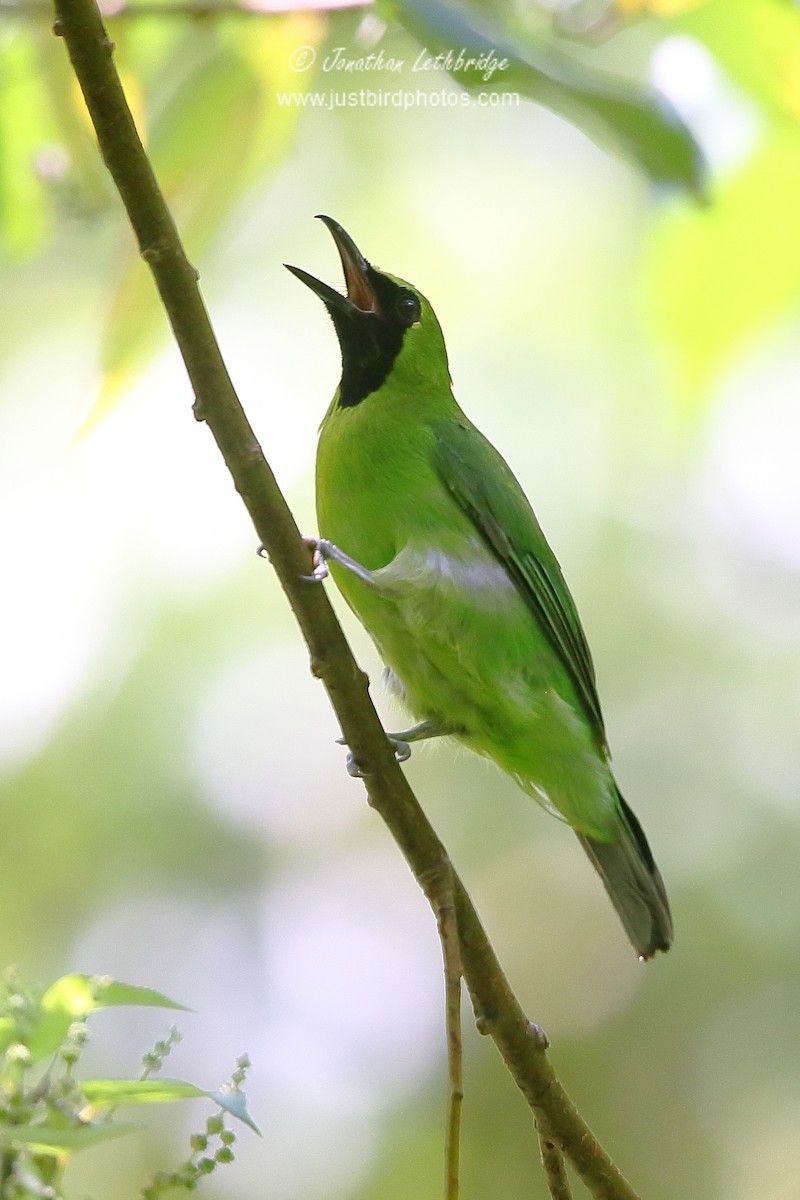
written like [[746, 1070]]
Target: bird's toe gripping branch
[[321, 551], [400, 742], [325, 552], [402, 752]]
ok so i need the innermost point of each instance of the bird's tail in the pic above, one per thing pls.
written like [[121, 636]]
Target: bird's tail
[[634, 884]]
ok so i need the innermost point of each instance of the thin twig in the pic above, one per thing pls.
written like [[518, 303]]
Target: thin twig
[[455, 1070], [521, 1043], [438, 887], [553, 1165]]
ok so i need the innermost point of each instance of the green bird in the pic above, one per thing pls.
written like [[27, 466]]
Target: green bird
[[434, 546]]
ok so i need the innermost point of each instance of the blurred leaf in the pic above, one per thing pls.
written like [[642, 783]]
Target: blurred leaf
[[47, 147], [75, 996], [757, 42], [57, 1141], [109, 1093], [110, 993], [268, 49], [718, 276], [219, 129], [78, 995], [22, 133], [197, 147], [81, 184], [614, 112]]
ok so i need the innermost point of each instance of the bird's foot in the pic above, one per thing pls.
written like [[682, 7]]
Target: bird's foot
[[402, 752], [420, 733], [321, 551], [400, 742], [325, 551], [353, 768]]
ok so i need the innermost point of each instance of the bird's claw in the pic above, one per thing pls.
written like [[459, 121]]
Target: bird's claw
[[319, 567], [353, 769], [350, 762], [402, 752]]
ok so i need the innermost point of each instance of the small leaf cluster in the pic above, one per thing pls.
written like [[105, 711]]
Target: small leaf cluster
[[48, 1114], [209, 1149]]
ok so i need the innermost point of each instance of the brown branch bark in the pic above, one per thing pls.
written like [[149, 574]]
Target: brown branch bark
[[499, 1014], [552, 1159]]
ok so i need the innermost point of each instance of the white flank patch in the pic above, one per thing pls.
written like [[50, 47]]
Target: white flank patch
[[485, 579]]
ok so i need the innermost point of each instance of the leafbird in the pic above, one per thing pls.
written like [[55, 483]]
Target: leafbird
[[434, 546]]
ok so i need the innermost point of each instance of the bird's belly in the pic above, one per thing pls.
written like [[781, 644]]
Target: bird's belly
[[454, 630], [464, 649]]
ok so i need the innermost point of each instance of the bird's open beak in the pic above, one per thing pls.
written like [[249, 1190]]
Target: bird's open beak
[[360, 292]]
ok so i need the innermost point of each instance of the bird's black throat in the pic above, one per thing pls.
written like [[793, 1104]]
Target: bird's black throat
[[370, 341]]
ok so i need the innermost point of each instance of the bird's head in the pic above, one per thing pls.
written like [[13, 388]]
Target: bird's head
[[384, 325]]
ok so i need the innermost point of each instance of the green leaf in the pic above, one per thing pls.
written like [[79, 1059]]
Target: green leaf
[[109, 1093], [757, 42], [57, 1141], [220, 129], [717, 277], [628, 117], [198, 145], [73, 997], [110, 993], [23, 214]]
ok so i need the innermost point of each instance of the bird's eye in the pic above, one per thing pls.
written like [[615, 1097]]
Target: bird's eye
[[408, 308]]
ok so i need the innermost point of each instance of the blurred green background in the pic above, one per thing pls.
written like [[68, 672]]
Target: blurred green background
[[173, 808]]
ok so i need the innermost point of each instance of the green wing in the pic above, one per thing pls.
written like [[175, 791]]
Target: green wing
[[486, 490]]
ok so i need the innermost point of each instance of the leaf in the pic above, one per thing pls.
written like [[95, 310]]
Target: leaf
[[198, 145], [23, 215], [631, 118], [716, 278], [757, 43], [108, 1093], [57, 1141], [75, 996], [220, 129], [111, 993]]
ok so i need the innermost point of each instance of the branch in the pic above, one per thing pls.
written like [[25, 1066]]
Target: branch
[[555, 1171], [439, 891], [522, 1044]]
